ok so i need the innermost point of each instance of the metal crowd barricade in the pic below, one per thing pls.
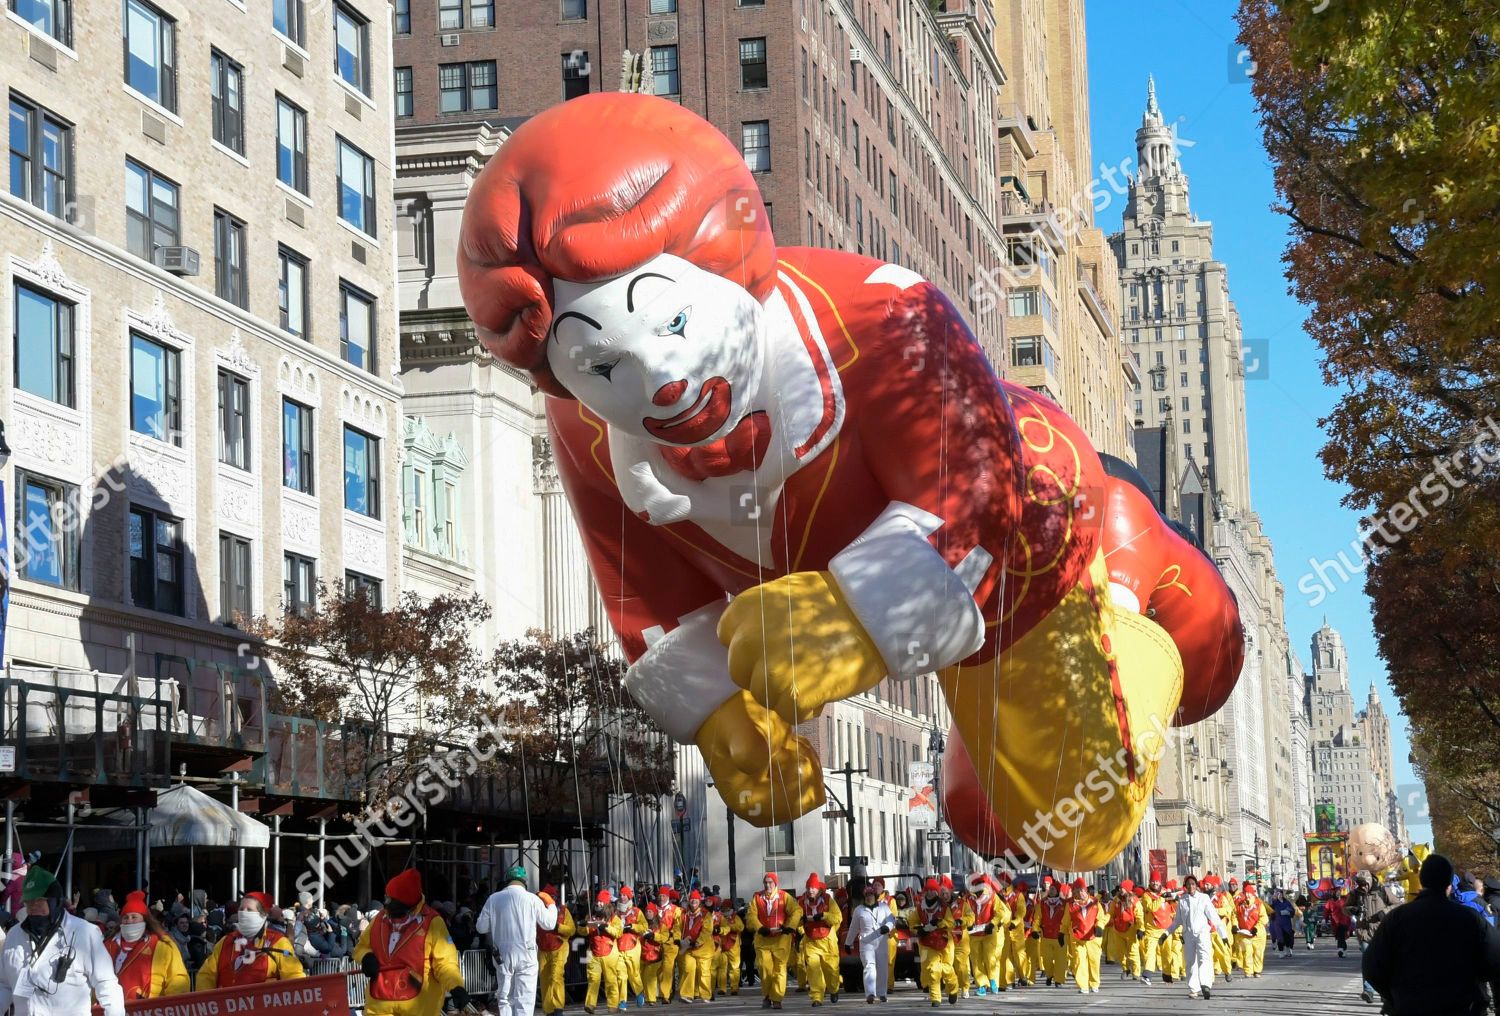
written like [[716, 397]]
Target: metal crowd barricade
[[479, 979], [328, 965]]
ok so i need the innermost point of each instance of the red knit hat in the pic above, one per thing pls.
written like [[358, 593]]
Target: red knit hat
[[814, 882], [262, 899], [664, 890], [772, 876], [947, 881], [932, 885], [1128, 886], [135, 903], [1046, 880], [1171, 883], [627, 893], [550, 890], [405, 887], [1138, 890], [603, 899], [695, 895], [1079, 883]]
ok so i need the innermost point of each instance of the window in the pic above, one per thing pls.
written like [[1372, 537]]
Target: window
[[356, 327], [229, 258], [1182, 379], [44, 345], [151, 211], [356, 584], [46, 547], [753, 64], [41, 157], [575, 10], [1187, 426], [155, 390], [155, 561], [781, 841], [403, 17], [289, 18], [450, 15], [296, 446], [299, 584], [356, 173], [664, 77], [1028, 300], [361, 473], [755, 143], [351, 47], [880, 758], [234, 420], [228, 79], [481, 13], [234, 579], [804, 74], [54, 17], [464, 87], [291, 145], [416, 505], [291, 291], [150, 61], [575, 73], [403, 92], [1174, 251], [662, 7]]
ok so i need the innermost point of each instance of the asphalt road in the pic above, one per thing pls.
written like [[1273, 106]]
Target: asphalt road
[[1304, 983]]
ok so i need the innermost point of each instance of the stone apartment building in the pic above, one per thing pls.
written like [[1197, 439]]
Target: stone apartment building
[[198, 262]]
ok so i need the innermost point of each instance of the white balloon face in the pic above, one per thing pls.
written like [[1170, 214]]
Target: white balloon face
[[667, 352]]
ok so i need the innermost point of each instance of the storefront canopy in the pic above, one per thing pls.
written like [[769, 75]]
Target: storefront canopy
[[186, 817]]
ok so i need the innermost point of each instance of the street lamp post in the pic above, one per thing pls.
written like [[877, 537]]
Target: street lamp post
[[936, 745]]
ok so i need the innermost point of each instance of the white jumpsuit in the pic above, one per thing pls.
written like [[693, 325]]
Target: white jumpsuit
[[511, 918], [27, 978], [874, 954], [1198, 920]]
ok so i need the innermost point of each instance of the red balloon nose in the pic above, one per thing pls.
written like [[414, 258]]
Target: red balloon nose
[[669, 394]]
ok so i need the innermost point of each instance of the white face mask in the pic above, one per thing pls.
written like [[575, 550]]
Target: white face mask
[[132, 932], [249, 924]]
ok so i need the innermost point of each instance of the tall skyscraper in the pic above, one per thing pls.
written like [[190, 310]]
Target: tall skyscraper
[[1351, 752], [1063, 324], [1182, 329], [1184, 336]]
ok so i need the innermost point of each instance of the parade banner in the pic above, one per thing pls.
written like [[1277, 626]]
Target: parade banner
[[327, 995], [921, 805], [1158, 865]]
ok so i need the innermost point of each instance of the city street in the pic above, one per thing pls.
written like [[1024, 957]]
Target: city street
[[1305, 982]]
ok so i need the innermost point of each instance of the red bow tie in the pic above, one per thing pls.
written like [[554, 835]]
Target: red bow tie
[[739, 451]]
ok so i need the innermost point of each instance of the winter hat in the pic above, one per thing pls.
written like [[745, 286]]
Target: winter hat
[[814, 882], [627, 893], [135, 903], [1079, 883], [931, 885], [603, 899], [695, 895], [1128, 886], [406, 887], [40, 883], [515, 873], [772, 876]]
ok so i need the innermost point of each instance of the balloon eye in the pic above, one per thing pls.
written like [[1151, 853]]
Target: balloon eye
[[603, 369], [678, 324]]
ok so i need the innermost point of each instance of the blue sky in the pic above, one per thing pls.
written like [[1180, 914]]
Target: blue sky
[[1189, 45]]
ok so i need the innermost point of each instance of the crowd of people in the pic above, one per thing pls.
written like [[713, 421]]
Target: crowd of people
[[975, 936]]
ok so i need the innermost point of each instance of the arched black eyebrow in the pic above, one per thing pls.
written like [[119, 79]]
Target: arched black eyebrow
[[630, 290], [574, 314]]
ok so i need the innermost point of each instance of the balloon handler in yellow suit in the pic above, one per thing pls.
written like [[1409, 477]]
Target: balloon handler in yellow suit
[[821, 918], [773, 916], [602, 933], [408, 955]]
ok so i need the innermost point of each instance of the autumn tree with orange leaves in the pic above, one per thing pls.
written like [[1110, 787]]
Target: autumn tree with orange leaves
[[1383, 124]]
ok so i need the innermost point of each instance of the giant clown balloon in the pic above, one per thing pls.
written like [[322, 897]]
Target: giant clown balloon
[[796, 474]]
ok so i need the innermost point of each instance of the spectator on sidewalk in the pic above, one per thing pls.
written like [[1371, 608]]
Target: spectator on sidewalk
[[1431, 956]]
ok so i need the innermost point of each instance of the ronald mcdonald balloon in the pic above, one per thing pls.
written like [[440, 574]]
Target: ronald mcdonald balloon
[[795, 474]]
